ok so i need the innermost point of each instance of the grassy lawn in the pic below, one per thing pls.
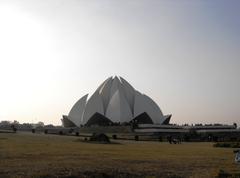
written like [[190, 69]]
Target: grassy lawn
[[36, 155]]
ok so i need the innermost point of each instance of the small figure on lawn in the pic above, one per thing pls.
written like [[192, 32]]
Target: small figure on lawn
[[237, 157]]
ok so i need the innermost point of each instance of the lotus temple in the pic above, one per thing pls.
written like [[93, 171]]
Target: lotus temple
[[115, 102]]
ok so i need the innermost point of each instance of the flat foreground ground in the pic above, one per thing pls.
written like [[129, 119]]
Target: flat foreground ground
[[38, 155]]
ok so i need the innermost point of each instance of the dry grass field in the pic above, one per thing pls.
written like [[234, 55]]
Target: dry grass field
[[39, 155]]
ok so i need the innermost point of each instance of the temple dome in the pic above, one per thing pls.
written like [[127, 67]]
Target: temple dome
[[117, 101]]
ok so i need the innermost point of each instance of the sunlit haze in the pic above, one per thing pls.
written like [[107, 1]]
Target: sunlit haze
[[183, 54]]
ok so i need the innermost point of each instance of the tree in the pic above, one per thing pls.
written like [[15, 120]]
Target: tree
[[40, 124], [5, 123], [15, 122], [235, 125]]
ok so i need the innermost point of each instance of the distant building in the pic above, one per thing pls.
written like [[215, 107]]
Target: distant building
[[115, 101]]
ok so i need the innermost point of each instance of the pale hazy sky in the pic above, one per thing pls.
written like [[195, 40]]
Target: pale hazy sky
[[184, 54]]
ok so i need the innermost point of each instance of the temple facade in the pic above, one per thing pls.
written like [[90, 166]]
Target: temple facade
[[114, 102]]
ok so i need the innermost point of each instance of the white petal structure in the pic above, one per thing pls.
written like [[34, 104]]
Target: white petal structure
[[101, 86], [116, 101], [145, 104], [129, 93], [105, 93], [118, 109], [116, 85], [76, 113], [94, 105]]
